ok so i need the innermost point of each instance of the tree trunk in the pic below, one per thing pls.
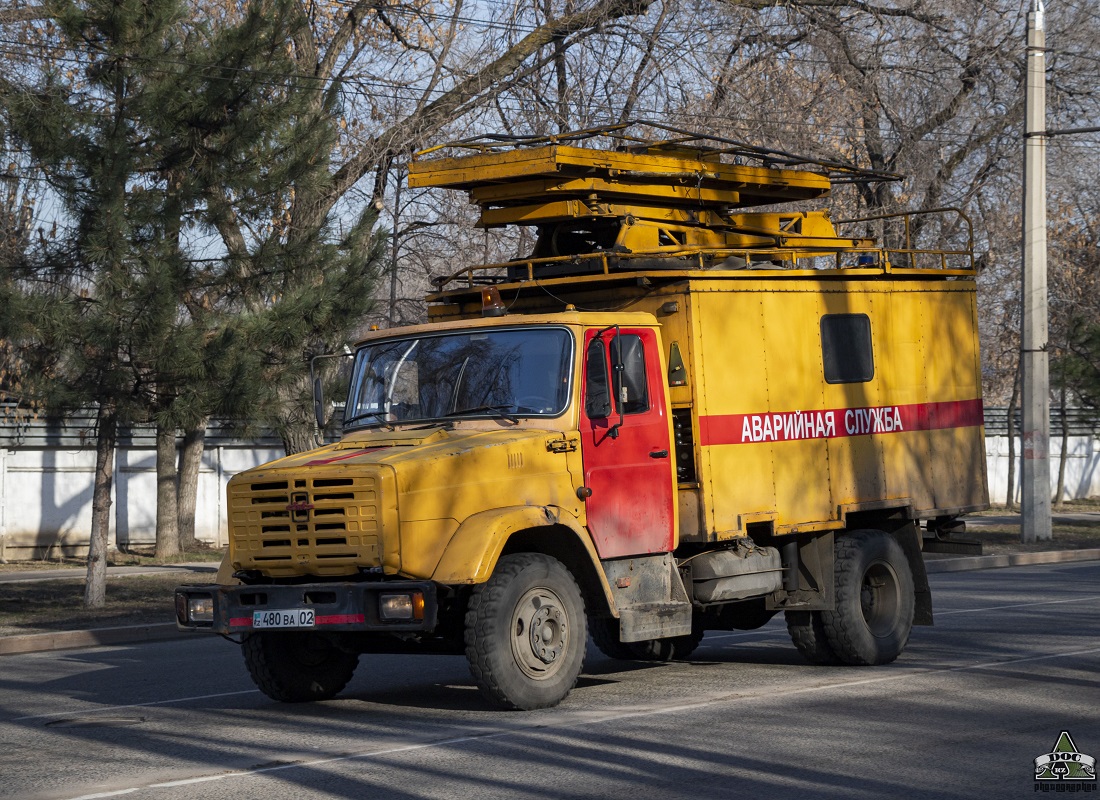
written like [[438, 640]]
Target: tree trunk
[[1058, 498], [395, 245], [168, 538], [1010, 499], [298, 426], [298, 437], [194, 440], [95, 586]]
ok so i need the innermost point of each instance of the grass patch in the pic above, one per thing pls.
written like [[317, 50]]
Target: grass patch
[[119, 559], [57, 605], [1005, 538], [1080, 506]]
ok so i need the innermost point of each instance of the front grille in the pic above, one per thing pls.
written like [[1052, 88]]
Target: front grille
[[306, 525]]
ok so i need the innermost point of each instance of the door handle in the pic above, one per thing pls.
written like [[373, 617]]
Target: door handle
[[659, 454]]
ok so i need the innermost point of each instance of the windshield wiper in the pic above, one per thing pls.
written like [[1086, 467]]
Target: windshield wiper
[[501, 411], [379, 415], [448, 425]]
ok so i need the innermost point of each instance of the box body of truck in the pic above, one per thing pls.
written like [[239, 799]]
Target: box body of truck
[[798, 400], [662, 422]]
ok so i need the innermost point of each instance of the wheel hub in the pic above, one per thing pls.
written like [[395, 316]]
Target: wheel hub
[[540, 633], [880, 598], [547, 633]]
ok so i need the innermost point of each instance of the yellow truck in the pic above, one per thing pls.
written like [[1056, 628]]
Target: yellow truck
[[672, 416]]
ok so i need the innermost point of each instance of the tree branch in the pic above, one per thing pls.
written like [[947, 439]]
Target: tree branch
[[24, 14], [404, 135], [912, 12], [342, 36], [647, 57]]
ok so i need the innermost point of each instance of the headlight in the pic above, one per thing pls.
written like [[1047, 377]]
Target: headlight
[[200, 609], [409, 605]]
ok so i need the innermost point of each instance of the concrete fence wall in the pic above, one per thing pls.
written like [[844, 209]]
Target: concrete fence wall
[[1082, 474], [47, 469], [46, 497]]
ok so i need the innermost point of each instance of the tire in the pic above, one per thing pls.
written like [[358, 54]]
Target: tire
[[675, 649], [297, 666], [526, 633], [874, 599], [807, 631], [750, 615], [605, 635]]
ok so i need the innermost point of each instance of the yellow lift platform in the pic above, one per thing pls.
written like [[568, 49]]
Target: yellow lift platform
[[674, 202]]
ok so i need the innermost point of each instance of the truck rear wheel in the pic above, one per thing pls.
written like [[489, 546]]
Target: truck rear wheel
[[526, 632], [675, 649], [605, 634], [297, 666], [874, 599], [807, 631]]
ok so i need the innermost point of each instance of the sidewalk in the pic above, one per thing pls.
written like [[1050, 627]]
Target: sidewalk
[[137, 634], [953, 563]]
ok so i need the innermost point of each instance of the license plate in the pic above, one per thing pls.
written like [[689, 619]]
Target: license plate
[[283, 618]]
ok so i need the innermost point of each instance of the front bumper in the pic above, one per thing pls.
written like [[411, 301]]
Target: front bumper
[[335, 606]]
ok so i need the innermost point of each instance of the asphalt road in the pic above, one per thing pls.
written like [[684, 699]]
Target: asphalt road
[[1013, 660]]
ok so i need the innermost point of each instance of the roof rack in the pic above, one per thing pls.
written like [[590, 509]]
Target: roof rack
[[665, 203], [671, 140]]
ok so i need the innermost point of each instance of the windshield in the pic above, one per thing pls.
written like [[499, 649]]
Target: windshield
[[486, 373]]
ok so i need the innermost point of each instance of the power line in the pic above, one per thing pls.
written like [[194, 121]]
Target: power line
[[519, 27], [355, 86], [380, 92]]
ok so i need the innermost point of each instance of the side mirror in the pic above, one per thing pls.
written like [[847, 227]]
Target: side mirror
[[597, 387], [318, 390], [319, 403]]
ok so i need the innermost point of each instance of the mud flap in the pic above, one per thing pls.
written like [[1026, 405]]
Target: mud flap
[[909, 537], [650, 596]]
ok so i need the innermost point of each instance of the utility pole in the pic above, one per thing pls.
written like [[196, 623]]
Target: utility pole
[[395, 247], [1035, 475]]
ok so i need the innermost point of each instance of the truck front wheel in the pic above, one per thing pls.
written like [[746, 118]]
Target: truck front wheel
[[526, 632], [874, 599], [297, 666]]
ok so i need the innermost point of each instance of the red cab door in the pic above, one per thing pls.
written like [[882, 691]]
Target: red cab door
[[627, 456]]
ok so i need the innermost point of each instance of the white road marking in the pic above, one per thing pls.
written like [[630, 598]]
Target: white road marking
[[134, 705], [767, 633], [575, 723], [1018, 605]]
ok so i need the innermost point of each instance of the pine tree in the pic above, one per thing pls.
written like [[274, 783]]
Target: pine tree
[[171, 133], [1079, 367], [92, 298], [301, 273]]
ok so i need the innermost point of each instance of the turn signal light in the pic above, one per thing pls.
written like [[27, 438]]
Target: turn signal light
[[406, 606]]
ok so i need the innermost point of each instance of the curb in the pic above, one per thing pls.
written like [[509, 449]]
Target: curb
[[68, 640], [968, 563], [137, 634]]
